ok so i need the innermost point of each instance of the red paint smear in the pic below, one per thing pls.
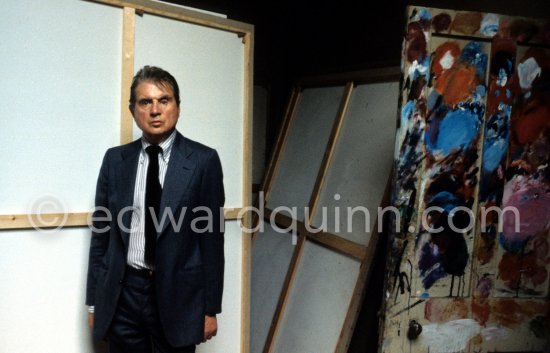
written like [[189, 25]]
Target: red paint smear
[[481, 310], [493, 101], [531, 120], [529, 268], [457, 84], [467, 22], [440, 52], [531, 116], [511, 312], [540, 248], [499, 45], [535, 269], [441, 22], [416, 42], [443, 310], [509, 269]]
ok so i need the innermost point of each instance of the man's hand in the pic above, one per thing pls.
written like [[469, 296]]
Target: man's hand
[[91, 320], [210, 327]]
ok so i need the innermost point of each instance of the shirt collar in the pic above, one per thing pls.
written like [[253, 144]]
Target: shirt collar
[[166, 145]]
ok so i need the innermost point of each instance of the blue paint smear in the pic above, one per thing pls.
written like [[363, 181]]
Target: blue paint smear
[[496, 141], [479, 93], [516, 246], [424, 15], [432, 99], [456, 131], [497, 93], [445, 200], [489, 30], [481, 90], [428, 259], [509, 66], [495, 148], [473, 55], [502, 77], [434, 122], [493, 154], [508, 93], [433, 276], [406, 112], [410, 156], [424, 63]]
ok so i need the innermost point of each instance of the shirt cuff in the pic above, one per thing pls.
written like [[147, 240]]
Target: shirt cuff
[[91, 309]]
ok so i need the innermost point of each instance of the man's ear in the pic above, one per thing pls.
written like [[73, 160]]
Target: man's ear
[[131, 108]]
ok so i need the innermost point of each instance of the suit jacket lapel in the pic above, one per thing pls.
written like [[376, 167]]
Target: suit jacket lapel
[[126, 181], [179, 173]]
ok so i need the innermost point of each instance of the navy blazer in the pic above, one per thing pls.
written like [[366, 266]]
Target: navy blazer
[[189, 256]]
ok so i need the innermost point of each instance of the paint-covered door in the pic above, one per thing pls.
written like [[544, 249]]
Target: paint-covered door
[[470, 261]]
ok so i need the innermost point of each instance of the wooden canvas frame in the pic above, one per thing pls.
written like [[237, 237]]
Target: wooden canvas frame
[[242, 30], [364, 254]]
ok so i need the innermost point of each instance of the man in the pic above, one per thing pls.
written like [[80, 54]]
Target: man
[[155, 272]]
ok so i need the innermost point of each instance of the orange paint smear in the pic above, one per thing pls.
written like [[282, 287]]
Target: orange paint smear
[[457, 84], [467, 22], [443, 310], [454, 51]]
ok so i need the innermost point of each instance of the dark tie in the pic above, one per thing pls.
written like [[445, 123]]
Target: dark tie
[[153, 192]]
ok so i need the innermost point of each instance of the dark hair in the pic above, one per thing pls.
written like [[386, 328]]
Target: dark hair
[[156, 75]]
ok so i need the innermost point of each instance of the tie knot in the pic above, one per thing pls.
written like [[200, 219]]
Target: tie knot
[[153, 150]]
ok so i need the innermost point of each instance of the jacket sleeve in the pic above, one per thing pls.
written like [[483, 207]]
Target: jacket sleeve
[[100, 231], [212, 240]]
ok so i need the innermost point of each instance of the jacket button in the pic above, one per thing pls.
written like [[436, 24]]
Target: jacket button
[[121, 281]]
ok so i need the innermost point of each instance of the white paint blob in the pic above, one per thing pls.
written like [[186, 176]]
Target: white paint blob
[[452, 336], [489, 25], [494, 333], [417, 67], [447, 60], [528, 71]]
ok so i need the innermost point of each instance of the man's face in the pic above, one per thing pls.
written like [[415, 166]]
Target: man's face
[[156, 111]]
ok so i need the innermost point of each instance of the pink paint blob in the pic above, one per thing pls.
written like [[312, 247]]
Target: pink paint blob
[[531, 198]]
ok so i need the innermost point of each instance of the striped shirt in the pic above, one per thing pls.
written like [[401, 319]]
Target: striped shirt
[[136, 246]]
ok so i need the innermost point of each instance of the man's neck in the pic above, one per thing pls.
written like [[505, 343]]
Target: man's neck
[[157, 139]]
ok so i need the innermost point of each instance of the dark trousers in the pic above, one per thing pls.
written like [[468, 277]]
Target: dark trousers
[[136, 326]]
